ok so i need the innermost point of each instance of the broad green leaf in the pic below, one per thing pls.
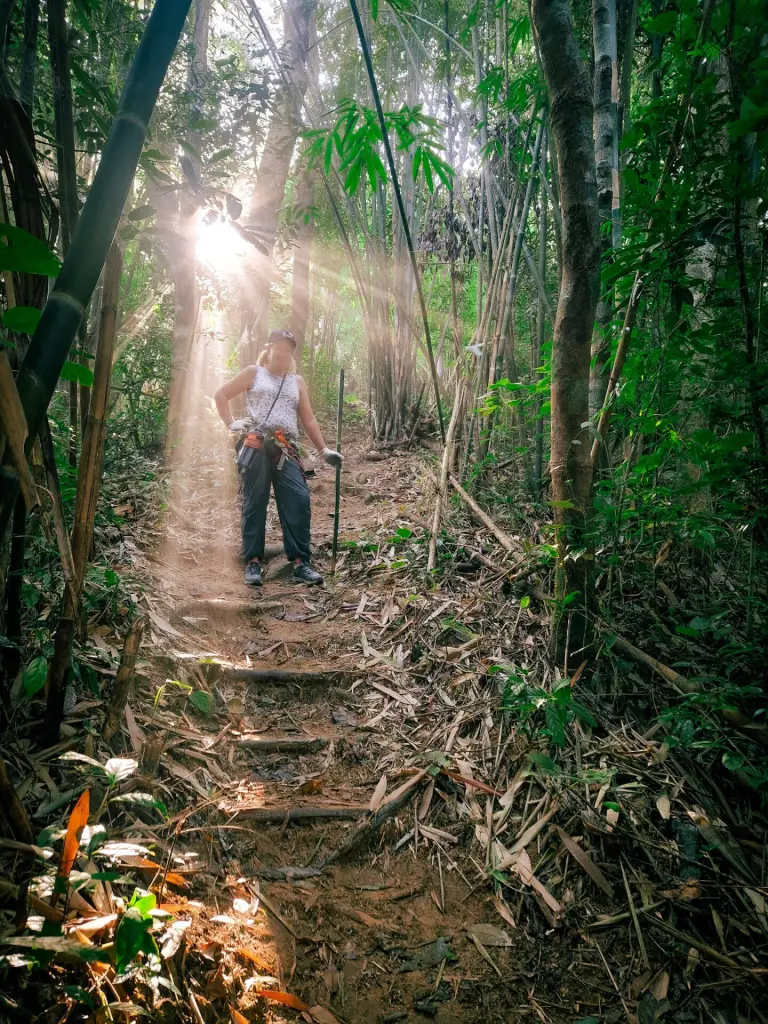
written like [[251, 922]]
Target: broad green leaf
[[143, 902], [129, 937], [582, 714], [554, 716], [375, 9], [22, 252], [23, 319], [221, 154], [35, 675], [78, 373], [663, 23], [202, 701], [544, 764]]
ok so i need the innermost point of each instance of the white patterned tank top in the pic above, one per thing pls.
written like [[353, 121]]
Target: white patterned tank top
[[261, 395]]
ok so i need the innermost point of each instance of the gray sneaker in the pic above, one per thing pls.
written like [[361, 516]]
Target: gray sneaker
[[304, 573], [253, 574]]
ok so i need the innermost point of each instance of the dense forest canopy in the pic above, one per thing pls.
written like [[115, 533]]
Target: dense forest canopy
[[534, 237]]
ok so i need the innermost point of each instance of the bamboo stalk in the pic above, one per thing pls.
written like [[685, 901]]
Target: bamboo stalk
[[400, 206], [445, 469], [337, 497], [124, 678], [13, 808], [88, 488], [63, 312], [88, 477]]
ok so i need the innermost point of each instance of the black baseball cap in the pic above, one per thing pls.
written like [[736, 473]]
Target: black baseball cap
[[281, 334]]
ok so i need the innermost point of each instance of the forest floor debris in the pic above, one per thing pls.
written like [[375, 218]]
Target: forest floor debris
[[512, 826]]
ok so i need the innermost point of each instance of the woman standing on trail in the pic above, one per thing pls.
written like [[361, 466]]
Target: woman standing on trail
[[268, 456]]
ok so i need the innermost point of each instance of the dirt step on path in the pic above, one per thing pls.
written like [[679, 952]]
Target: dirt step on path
[[286, 804]]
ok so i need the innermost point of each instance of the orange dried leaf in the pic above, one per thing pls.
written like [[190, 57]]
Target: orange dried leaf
[[237, 1017], [172, 878], [286, 998], [78, 819], [254, 958]]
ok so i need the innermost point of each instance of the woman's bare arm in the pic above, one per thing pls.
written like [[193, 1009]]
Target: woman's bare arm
[[307, 417], [231, 389]]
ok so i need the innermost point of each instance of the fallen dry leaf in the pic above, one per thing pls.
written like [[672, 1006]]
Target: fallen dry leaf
[[249, 954], [78, 819], [377, 797], [286, 998], [322, 1016], [663, 806], [489, 935], [504, 911], [585, 862]]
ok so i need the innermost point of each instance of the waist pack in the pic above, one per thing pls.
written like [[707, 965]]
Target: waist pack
[[274, 442]]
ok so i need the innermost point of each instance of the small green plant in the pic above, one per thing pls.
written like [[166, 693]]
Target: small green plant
[[542, 712]]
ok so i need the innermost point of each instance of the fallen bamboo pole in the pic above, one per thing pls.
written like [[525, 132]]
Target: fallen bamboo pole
[[756, 731], [374, 820], [280, 815], [281, 676], [503, 538], [280, 744]]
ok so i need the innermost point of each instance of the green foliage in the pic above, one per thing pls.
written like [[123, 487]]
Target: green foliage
[[133, 933], [22, 319], [24, 253], [541, 712], [35, 675], [356, 137]]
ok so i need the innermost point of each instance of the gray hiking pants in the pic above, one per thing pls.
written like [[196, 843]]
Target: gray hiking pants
[[291, 497]]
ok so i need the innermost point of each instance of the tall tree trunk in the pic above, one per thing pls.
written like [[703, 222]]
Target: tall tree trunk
[[606, 165], [184, 266], [275, 163], [571, 112]]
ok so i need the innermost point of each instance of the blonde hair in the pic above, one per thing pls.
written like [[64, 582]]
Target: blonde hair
[[264, 359]]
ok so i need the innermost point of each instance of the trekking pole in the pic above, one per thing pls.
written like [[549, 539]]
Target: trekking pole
[[339, 415]]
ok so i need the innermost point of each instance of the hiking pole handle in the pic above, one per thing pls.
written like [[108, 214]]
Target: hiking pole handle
[[339, 416]]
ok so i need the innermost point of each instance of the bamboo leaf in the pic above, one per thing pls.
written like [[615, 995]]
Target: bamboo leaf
[[585, 862], [663, 23], [26, 254], [78, 373], [23, 319]]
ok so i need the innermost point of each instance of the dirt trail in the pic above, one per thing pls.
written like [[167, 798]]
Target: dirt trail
[[379, 932]]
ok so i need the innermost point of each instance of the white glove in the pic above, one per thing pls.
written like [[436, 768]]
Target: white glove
[[332, 457], [238, 426]]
